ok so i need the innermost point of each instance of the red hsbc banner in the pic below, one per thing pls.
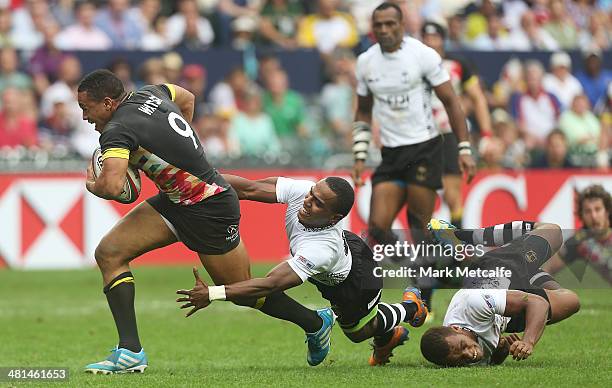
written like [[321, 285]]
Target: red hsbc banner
[[50, 221]]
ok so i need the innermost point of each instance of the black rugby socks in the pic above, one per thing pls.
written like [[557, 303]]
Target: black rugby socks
[[120, 294]]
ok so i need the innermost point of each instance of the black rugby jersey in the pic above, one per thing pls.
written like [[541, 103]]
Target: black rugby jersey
[[148, 129]]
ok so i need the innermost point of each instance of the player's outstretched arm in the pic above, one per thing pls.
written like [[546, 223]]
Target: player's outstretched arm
[[262, 190], [109, 183], [536, 311], [185, 100], [282, 277]]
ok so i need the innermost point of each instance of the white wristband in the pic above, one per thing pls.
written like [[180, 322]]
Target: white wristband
[[464, 144], [465, 151], [216, 293]]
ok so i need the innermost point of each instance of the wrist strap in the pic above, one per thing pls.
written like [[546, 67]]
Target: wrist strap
[[362, 135], [464, 144], [216, 293]]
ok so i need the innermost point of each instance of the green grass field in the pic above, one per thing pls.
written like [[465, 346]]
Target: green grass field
[[61, 319]]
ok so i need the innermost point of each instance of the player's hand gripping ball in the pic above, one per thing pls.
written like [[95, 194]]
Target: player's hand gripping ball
[[132, 185]]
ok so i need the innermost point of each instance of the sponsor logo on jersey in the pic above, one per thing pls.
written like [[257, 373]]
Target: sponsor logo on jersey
[[305, 261], [489, 300]]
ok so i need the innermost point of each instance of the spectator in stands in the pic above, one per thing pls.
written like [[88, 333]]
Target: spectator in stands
[[456, 34], [84, 34], [286, 108], [10, 76], [327, 29], [145, 13], [561, 26], [411, 17], [254, 129], [491, 158], [57, 127], [155, 38], [593, 78], [45, 61], [560, 80], [152, 71], [6, 37], [599, 33], [555, 152], [495, 38], [173, 66], [531, 36], [228, 11], [63, 12], [580, 11], [605, 141], [268, 64], [28, 21], [244, 28], [16, 127], [582, 130], [279, 22], [123, 70], [476, 22], [194, 80], [120, 26], [535, 110], [229, 96], [515, 155], [511, 81], [187, 26], [512, 10], [337, 100]]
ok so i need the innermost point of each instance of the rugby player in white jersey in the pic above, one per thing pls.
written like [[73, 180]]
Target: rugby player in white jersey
[[337, 262], [492, 302], [395, 78]]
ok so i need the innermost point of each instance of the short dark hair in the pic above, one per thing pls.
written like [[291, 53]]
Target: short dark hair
[[387, 5], [101, 83], [595, 192], [345, 195], [434, 345]]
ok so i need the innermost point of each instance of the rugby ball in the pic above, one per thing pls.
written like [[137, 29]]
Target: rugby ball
[[132, 185]]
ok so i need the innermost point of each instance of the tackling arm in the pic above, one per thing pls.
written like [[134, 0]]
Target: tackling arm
[[536, 312], [263, 190]]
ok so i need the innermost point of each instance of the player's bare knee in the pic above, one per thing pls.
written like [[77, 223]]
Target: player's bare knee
[[106, 256], [551, 232]]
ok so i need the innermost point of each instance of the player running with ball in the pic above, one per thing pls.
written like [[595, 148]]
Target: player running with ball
[[150, 130], [337, 262], [485, 308]]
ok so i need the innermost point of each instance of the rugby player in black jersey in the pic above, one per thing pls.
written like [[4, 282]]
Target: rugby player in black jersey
[[149, 129]]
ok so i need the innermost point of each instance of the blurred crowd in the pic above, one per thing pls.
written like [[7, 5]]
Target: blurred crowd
[[555, 114]]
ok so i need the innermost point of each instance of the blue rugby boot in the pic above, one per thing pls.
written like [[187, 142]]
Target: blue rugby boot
[[320, 342], [120, 361]]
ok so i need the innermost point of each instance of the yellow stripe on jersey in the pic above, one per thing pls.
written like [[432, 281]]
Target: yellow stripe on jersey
[[128, 279], [470, 81], [116, 153], [172, 91]]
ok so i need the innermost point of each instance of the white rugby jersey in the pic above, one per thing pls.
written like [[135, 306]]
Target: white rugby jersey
[[401, 84], [321, 254], [481, 311]]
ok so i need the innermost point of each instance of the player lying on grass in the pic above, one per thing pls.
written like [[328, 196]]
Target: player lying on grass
[[338, 262], [486, 307]]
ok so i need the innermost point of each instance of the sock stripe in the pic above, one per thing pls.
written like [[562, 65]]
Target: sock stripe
[[124, 280], [400, 310], [498, 234], [517, 229], [383, 312]]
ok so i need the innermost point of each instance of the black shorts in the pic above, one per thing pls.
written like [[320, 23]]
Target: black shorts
[[210, 227], [359, 293], [419, 164], [520, 256], [517, 322], [450, 154]]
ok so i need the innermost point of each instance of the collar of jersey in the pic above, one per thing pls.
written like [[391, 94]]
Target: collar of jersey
[[315, 229]]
